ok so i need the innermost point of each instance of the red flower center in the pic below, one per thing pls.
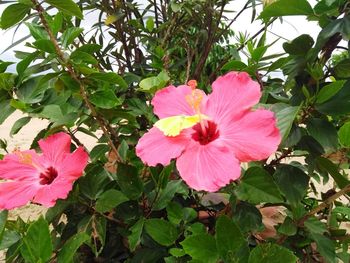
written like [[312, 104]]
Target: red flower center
[[48, 176], [210, 133]]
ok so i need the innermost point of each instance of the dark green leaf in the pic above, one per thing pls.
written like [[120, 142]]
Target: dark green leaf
[[325, 246], [95, 180], [129, 181], [17, 126], [13, 14], [110, 77], [248, 217], [45, 45], [258, 186], [135, 236], [110, 199], [68, 250], [201, 247], [99, 151], [288, 227], [285, 118], [342, 69], [286, 8], [315, 226], [37, 244], [66, 6], [229, 238], [6, 110], [292, 181], [167, 194], [324, 132], [161, 231], [234, 65], [9, 238], [332, 169], [105, 99], [271, 253], [299, 46], [70, 34]]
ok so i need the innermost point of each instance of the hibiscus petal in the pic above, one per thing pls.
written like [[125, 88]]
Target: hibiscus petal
[[171, 101], [73, 165], [232, 93], [208, 167], [16, 194], [55, 147], [47, 195], [253, 136], [156, 148], [13, 168]]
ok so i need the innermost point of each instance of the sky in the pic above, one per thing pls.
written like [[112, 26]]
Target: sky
[[290, 28]]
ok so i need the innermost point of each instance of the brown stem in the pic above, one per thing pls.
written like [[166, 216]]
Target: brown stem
[[107, 130]]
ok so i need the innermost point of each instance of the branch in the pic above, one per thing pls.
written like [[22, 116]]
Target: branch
[[107, 130]]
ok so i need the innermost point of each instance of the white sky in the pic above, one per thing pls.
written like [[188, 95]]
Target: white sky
[[290, 28]]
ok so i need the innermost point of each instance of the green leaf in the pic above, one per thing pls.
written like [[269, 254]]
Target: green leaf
[[229, 238], [161, 231], [342, 69], [110, 77], [70, 34], [95, 180], [66, 6], [325, 246], [37, 244], [315, 226], [324, 132], [248, 217], [13, 14], [257, 186], [339, 104], [129, 181], [292, 182], [285, 118], [7, 81], [150, 24], [332, 169], [135, 237], [105, 99], [286, 8], [99, 151], [271, 253], [167, 194], [83, 57], [174, 213], [17, 126], [344, 134], [152, 84], [110, 199], [299, 46], [68, 250], [9, 238], [37, 31], [288, 227], [45, 45], [329, 91], [6, 110], [201, 247], [234, 65], [3, 219]]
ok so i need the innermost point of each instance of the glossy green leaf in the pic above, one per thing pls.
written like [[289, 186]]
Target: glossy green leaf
[[135, 237], [152, 84], [325, 246], [344, 134], [324, 132], [37, 244], [13, 14], [329, 91], [292, 182], [105, 99], [285, 118], [342, 69], [109, 200], [248, 217], [315, 226], [288, 227], [299, 46], [6, 110], [228, 236], [286, 8], [161, 231], [9, 237], [201, 247], [66, 6], [332, 169], [70, 34], [45, 45], [257, 186], [110, 77], [129, 181], [68, 250], [271, 253]]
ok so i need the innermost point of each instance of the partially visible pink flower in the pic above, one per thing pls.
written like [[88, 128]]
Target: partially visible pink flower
[[41, 178], [209, 153]]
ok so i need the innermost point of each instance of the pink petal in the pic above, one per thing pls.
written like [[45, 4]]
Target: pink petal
[[171, 101], [12, 168], [232, 93], [47, 195], [253, 136], [55, 147], [156, 148], [16, 194], [208, 167], [73, 165]]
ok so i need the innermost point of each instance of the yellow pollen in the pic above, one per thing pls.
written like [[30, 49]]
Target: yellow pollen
[[24, 158], [195, 99]]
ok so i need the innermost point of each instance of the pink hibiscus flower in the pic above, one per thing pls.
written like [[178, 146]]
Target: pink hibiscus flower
[[41, 178], [218, 131]]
